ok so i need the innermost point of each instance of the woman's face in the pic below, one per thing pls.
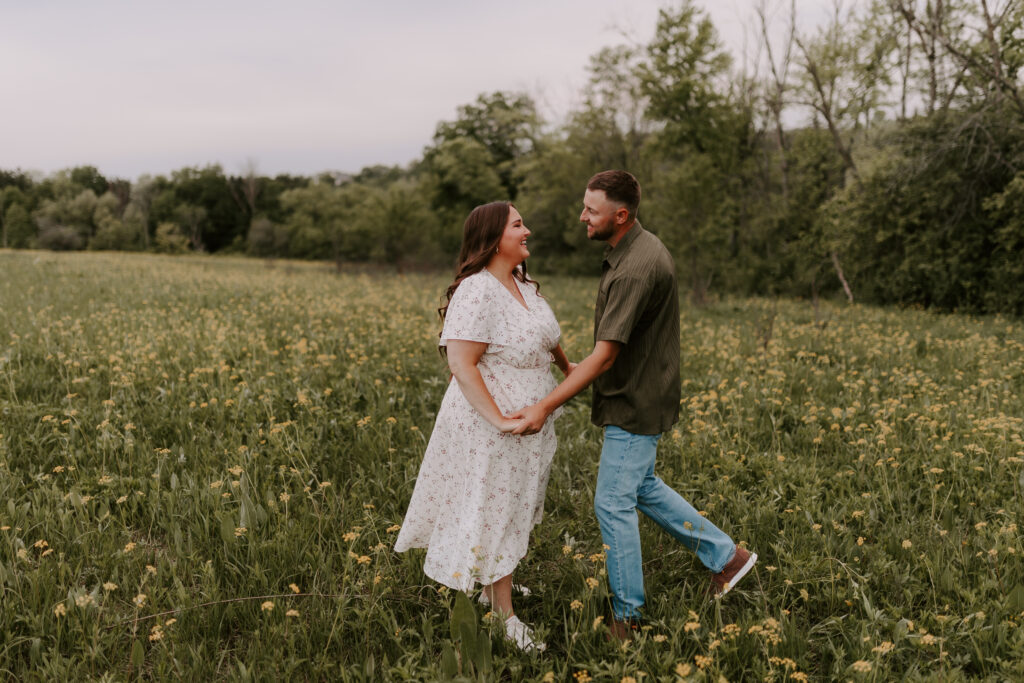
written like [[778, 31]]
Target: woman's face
[[513, 240]]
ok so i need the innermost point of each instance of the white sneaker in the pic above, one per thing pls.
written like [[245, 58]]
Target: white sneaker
[[517, 587], [522, 635]]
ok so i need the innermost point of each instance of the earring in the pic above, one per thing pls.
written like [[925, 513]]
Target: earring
[[497, 250]]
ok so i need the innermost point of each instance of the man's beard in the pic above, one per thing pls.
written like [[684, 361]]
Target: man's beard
[[602, 233]]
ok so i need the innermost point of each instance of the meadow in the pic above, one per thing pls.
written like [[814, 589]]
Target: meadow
[[204, 463]]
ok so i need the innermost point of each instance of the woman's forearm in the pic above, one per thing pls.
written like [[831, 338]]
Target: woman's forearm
[[561, 360], [471, 382]]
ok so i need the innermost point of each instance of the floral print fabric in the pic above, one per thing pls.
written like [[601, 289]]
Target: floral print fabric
[[480, 492]]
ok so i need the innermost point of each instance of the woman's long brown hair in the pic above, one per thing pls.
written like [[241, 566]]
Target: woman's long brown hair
[[481, 234]]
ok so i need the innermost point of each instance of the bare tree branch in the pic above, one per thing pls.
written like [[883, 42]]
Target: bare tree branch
[[780, 76]]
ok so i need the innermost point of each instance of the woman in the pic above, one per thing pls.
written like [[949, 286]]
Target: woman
[[480, 489]]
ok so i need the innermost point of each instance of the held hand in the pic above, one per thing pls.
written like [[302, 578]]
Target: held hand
[[531, 419], [508, 425], [568, 370]]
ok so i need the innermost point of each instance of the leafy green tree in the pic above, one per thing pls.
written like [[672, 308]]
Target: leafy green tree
[[405, 230], [266, 238], [931, 222], [1006, 210], [113, 235], [816, 173], [143, 192], [225, 221], [169, 239], [845, 73], [551, 200], [245, 190], [458, 175], [18, 228], [845, 76], [612, 127], [698, 191], [112, 232], [16, 203], [192, 218], [89, 178], [268, 203], [323, 222], [380, 175], [19, 179], [681, 78], [9, 197], [60, 237], [687, 212], [505, 124], [136, 224], [59, 217]]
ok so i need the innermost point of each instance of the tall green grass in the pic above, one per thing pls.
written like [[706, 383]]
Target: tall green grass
[[204, 463]]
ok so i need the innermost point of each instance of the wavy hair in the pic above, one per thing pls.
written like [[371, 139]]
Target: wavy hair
[[481, 234]]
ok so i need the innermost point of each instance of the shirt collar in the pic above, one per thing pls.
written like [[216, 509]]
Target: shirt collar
[[612, 255]]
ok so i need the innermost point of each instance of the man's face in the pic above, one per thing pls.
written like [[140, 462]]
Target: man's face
[[601, 215]]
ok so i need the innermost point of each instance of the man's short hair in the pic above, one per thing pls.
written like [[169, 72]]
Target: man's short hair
[[618, 186]]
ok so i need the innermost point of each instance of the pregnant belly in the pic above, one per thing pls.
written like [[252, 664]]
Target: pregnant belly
[[515, 388]]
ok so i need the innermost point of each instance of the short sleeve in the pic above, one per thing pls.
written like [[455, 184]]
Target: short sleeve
[[626, 299], [471, 314]]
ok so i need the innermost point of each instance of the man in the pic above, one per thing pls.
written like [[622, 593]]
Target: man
[[635, 371]]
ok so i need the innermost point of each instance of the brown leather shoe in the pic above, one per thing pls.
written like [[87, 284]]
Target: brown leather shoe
[[622, 630], [742, 561]]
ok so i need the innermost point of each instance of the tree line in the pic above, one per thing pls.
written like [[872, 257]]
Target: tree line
[[878, 157]]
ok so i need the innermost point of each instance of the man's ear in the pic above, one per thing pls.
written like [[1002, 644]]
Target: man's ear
[[621, 215]]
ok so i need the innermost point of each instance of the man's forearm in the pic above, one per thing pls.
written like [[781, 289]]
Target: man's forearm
[[587, 370]]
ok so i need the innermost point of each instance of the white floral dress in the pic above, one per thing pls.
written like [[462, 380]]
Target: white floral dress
[[480, 492]]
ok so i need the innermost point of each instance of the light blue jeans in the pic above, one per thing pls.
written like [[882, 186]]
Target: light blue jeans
[[626, 483]]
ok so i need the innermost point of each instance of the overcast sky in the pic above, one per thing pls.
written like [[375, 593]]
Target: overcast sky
[[298, 86]]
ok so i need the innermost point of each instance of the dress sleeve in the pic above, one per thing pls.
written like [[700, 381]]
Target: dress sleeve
[[471, 314]]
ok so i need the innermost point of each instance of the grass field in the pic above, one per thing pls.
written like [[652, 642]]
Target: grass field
[[204, 462]]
